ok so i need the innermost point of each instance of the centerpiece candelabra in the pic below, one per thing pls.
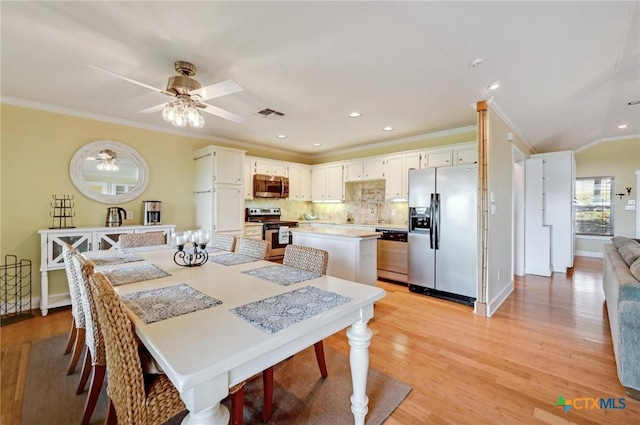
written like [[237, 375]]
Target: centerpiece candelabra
[[194, 255]]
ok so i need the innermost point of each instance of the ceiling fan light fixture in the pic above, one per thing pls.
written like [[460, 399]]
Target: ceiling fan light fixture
[[182, 112], [493, 86]]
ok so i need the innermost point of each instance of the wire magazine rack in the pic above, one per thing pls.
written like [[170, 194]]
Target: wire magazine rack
[[15, 290]]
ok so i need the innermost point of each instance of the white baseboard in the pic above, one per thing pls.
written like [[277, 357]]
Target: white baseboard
[[592, 254], [11, 309], [495, 303]]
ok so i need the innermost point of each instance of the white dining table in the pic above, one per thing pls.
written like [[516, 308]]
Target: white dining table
[[205, 352]]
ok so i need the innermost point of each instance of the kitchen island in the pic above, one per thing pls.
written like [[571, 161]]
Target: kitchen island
[[352, 252]]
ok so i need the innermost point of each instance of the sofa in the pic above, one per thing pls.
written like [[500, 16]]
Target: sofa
[[621, 285]]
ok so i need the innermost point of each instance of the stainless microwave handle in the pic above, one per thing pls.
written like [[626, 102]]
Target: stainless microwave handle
[[281, 187]]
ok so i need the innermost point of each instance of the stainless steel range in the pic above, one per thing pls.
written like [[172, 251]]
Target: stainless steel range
[[274, 229]]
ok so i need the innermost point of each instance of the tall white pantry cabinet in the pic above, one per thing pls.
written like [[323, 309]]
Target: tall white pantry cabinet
[[549, 212], [219, 189]]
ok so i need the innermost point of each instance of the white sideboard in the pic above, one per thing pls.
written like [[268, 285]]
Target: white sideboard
[[83, 239]]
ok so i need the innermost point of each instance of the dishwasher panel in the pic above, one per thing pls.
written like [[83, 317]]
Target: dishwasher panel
[[392, 258]]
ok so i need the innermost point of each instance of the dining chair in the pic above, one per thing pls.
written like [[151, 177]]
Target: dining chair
[[253, 248], [312, 260], [224, 242], [77, 332], [135, 240], [131, 401], [95, 357]]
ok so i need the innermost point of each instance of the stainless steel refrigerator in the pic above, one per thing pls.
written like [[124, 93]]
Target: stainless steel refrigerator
[[442, 232]]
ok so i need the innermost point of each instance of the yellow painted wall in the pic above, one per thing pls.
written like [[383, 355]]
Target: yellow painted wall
[[37, 147], [620, 159]]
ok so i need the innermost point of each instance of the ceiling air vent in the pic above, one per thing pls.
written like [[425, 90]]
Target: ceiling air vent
[[270, 113]]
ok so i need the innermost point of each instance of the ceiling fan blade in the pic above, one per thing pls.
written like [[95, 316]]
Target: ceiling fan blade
[[216, 90], [122, 77], [153, 109], [214, 110]]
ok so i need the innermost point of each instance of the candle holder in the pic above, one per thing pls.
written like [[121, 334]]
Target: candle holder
[[194, 255]]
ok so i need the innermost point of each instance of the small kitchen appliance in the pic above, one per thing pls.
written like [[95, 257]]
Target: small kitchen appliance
[[152, 212], [115, 215]]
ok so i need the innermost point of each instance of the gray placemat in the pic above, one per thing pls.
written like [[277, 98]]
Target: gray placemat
[[281, 311], [109, 259], [282, 275], [164, 303], [231, 259], [131, 274], [148, 248]]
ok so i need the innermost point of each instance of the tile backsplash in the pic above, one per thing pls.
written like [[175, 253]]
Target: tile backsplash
[[364, 201]]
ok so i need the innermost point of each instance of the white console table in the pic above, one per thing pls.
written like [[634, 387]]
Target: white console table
[[83, 239]]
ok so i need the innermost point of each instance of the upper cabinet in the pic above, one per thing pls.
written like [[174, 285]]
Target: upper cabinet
[[466, 155], [437, 158], [373, 169], [353, 171], [395, 176], [269, 167], [327, 182], [299, 182], [218, 165]]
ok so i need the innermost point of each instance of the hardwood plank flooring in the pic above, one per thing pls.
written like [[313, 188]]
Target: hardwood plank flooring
[[550, 338]]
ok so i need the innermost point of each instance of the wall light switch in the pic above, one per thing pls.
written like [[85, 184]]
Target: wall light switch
[[631, 201], [630, 207], [129, 215], [492, 209]]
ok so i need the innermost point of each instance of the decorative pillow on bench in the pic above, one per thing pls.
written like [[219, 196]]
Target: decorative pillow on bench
[[635, 269]]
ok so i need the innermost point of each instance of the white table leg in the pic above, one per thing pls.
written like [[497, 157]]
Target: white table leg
[[44, 293], [217, 415], [359, 338]]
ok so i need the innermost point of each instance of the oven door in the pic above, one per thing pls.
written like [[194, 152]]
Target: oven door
[[277, 248]]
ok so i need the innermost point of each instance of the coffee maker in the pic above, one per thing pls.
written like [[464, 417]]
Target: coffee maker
[[152, 211]]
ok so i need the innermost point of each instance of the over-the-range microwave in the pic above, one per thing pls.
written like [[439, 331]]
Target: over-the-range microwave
[[266, 186]]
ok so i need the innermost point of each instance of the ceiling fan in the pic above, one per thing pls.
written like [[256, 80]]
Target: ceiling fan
[[189, 96]]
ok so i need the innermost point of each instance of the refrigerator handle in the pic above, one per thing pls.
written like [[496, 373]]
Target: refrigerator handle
[[431, 211], [437, 220]]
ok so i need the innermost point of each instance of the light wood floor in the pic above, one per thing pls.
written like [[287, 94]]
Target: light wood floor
[[550, 338]]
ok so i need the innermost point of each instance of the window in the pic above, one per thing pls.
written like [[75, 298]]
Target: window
[[594, 206]]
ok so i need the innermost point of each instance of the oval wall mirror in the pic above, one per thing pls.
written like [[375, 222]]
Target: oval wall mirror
[[109, 172]]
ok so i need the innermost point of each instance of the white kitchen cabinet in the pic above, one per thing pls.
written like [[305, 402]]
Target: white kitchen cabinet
[[327, 183], [353, 171], [466, 155], [248, 179], [83, 239], [215, 164], [437, 158], [219, 194], [270, 167], [559, 209], [412, 160], [253, 231], [395, 177], [299, 182], [373, 169]]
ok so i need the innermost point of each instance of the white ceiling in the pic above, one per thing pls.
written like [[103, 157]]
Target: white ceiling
[[567, 69]]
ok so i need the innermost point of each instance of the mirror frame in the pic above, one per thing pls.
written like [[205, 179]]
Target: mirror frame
[[77, 162]]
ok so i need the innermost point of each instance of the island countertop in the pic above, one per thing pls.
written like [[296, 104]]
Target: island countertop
[[348, 233]]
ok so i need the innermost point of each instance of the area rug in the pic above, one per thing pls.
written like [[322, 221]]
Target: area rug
[[301, 395]]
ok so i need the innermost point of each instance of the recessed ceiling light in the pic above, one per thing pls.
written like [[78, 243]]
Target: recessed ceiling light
[[317, 144], [354, 115], [634, 102], [282, 136], [493, 85], [477, 62], [388, 128], [621, 126]]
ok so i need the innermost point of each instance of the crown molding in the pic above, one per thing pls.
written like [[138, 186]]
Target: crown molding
[[119, 121], [605, 140], [500, 112], [395, 142]]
